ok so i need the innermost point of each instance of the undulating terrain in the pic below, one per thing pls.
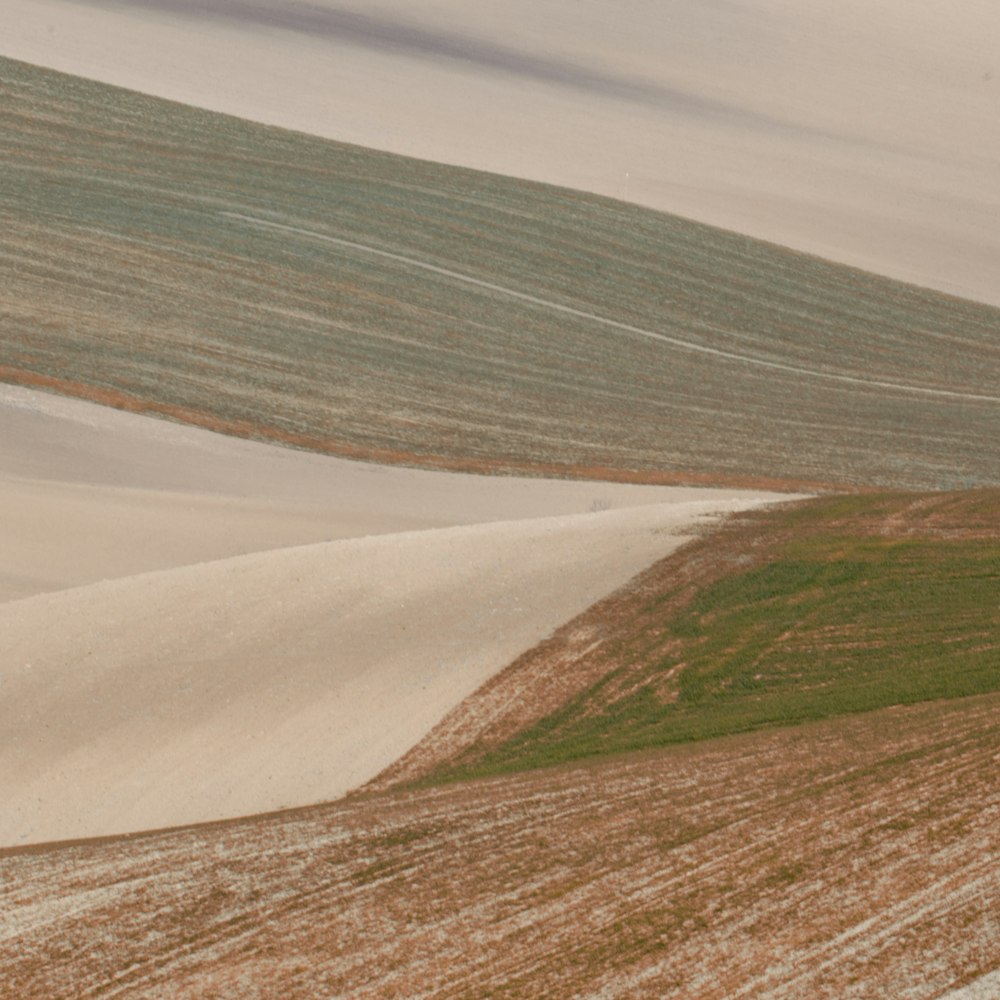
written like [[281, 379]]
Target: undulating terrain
[[652, 647], [850, 858], [275, 285], [822, 608], [198, 626], [865, 133]]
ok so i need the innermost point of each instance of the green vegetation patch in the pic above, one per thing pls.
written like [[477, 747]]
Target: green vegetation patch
[[834, 607]]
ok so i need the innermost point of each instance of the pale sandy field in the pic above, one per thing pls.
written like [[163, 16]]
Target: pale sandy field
[[866, 133], [196, 626], [88, 493]]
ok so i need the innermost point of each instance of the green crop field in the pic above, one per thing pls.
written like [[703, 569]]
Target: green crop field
[[830, 607], [275, 285]]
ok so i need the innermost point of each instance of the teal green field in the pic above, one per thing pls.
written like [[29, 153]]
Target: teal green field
[[278, 286]]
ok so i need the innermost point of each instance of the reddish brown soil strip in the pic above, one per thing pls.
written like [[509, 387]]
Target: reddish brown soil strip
[[262, 432]]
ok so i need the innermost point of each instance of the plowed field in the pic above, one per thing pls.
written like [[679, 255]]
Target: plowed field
[[274, 285], [852, 858]]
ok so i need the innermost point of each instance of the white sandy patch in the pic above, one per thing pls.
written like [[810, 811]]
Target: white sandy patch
[[281, 678], [985, 988], [191, 686], [864, 132], [88, 493]]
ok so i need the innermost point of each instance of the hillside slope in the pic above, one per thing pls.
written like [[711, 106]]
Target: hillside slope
[[845, 848], [844, 859], [866, 133], [274, 285], [827, 607], [194, 626], [282, 678], [88, 493]]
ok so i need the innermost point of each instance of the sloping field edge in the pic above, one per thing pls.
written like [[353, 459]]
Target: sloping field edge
[[328, 446], [587, 649]]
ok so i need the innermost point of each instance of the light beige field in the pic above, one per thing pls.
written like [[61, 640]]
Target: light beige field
[[866, 133], [198, 627], [89, 493]]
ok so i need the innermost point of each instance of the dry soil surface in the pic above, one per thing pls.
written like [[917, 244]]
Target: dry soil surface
[[842, 860], [89, 493], [198, 627]]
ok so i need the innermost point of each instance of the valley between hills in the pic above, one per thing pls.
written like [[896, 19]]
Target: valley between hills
[[434, 567]]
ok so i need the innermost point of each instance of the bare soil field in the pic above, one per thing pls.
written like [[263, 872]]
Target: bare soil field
[[864, 133], [197, 626], [89, 493], [274, 285], [279, 722], [843, 859]]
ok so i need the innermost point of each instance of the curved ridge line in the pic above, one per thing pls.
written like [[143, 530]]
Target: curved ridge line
[[616, 324]]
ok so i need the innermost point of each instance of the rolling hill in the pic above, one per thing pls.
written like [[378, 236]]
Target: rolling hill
[[822, 608], [196, 626], [764, 767], [808, 832], [854, 857], [274, 285], [864, 133]]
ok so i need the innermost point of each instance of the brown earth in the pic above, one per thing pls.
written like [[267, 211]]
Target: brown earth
[[844, 859]]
